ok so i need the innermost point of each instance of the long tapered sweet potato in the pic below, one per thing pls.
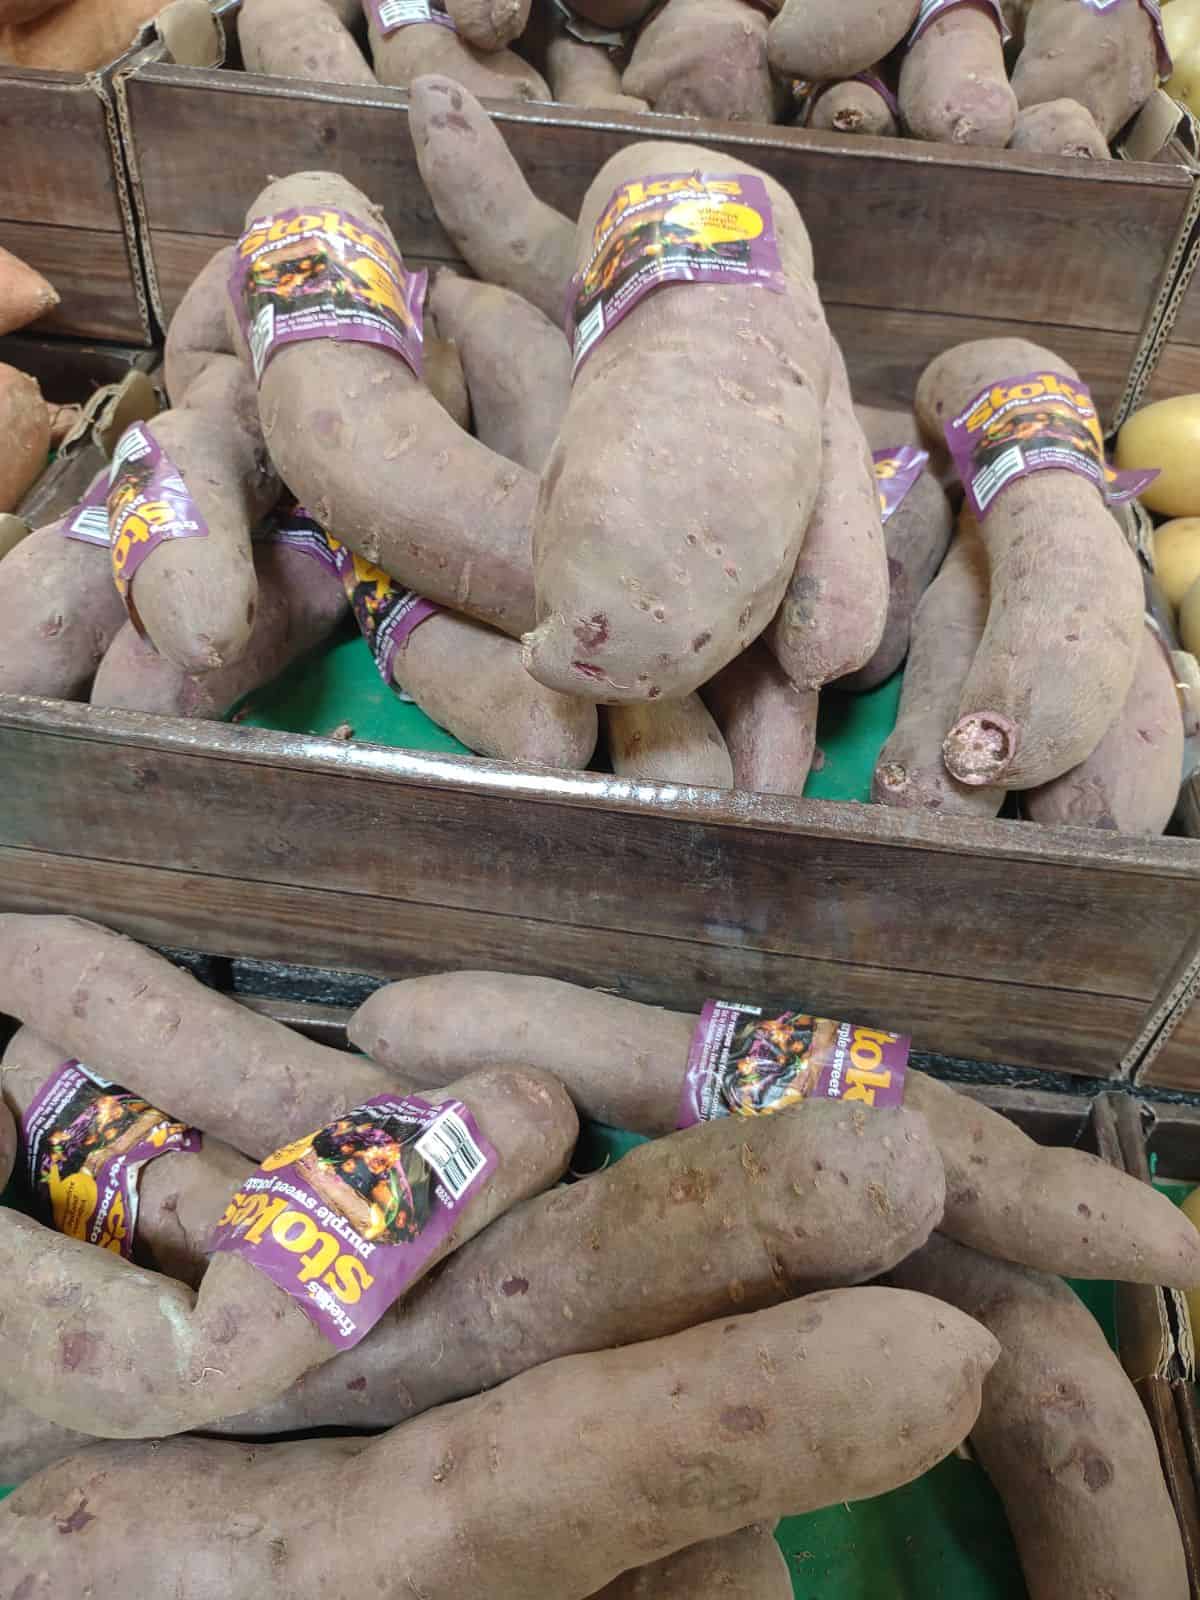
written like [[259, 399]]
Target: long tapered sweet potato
[[954, 88], [748, 1417], [582, 74], [822, 40], [668, 741], [1059, 128], [1131, 780], [705, 58], [1064, 626], [59, 612], [946, 629], [505, 233], [24, 435], [1105, 60], [743, 1566], [437, 510], [854, 106], [24, 294], [769, 726], [1062, 1434], [517, 365], [916, 537], [299, 603], [300, 39], [662, 548], [833, 612], [199, 330], [1004, 1193], [402, 57]]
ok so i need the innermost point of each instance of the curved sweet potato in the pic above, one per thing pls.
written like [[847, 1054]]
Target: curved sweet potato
[[835, 607], [517, 365], [444, 375], [854, 106], [504, 232], [1005, 1194], [1059, 128], [947, 626], [655, 565], [442, 514], [1107, 61], [769, 726], [668, 741], [24, 435], [1062, 1434], [24, 294], [429, 47], [823, 40], [705, 58], [199, 329], [1064, 626], [1131, 780], [583, 74], [954, 88], [742, 1566], [300, 39]]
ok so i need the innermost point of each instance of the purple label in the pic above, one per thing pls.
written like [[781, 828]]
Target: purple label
[[86, 1142], [1036, 422], [386, 614], [298, 531], [682, 227], [932, 9], [346, 1219], [895, 473], [1154, 11], [747, 1065], [148, 503], [89, 521], [310, 274], [390, 15]]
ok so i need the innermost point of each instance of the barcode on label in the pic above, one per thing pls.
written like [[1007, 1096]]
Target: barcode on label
[[588, 331], [261, 335], [452, 1153], [131, 446], [988, 482], [91, 524], [394, 13]]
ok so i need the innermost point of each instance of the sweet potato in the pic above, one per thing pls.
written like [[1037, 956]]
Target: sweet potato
[[1131, 780], [1062, 1434], [444, 375], [398, 480], [1064, 626], [748, 1417], [673, 506], [742, 1566], [916, 537], [769, 726], [300, 602], [503, 231], [24, 435], [25, 10], [668, 741], [470, 680], [59, 612], [1059, 128], [833, 613], [489, 24], [1004, 1193], [1105, 60], [429, 47], [823, 40], [199, 329], [24, 294], [582, 74], [29, 1443], [705, 58], [854, 105], [954, 88], [517, 365], [946, 629], [886, 427], [77, 35], [300, 39]]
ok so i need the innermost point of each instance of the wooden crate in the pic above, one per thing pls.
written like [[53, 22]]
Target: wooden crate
[[917, 245]]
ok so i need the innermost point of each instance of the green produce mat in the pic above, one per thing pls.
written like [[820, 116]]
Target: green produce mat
[[338, 685]]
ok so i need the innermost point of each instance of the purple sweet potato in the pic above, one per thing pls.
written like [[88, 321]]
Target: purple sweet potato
[[836, 603], [854, 106], [1105, 60], [582, 74], [300, 39], [504, 232], [411, 52], [1060, 128], [668, 741], [769, 726], [674, 505], [705, 58], [489, 24], [1064, 628], [823, 40], [954, 88], [199, 329], [1131, 780], [742, 1566]]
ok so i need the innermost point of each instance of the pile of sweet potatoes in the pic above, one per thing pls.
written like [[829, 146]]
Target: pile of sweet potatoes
[[1053, 77], [746, 1318]]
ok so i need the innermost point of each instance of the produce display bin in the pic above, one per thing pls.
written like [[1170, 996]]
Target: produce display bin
[[917, 245]]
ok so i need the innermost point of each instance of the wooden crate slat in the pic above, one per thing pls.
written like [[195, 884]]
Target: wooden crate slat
[[57, 164], [92, 271]]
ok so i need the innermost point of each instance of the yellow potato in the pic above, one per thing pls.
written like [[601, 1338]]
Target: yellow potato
[[1166, 435], [1176, 551], [1189, 619]]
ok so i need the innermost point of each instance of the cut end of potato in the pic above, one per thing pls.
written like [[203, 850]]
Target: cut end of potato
[[980, 748]]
